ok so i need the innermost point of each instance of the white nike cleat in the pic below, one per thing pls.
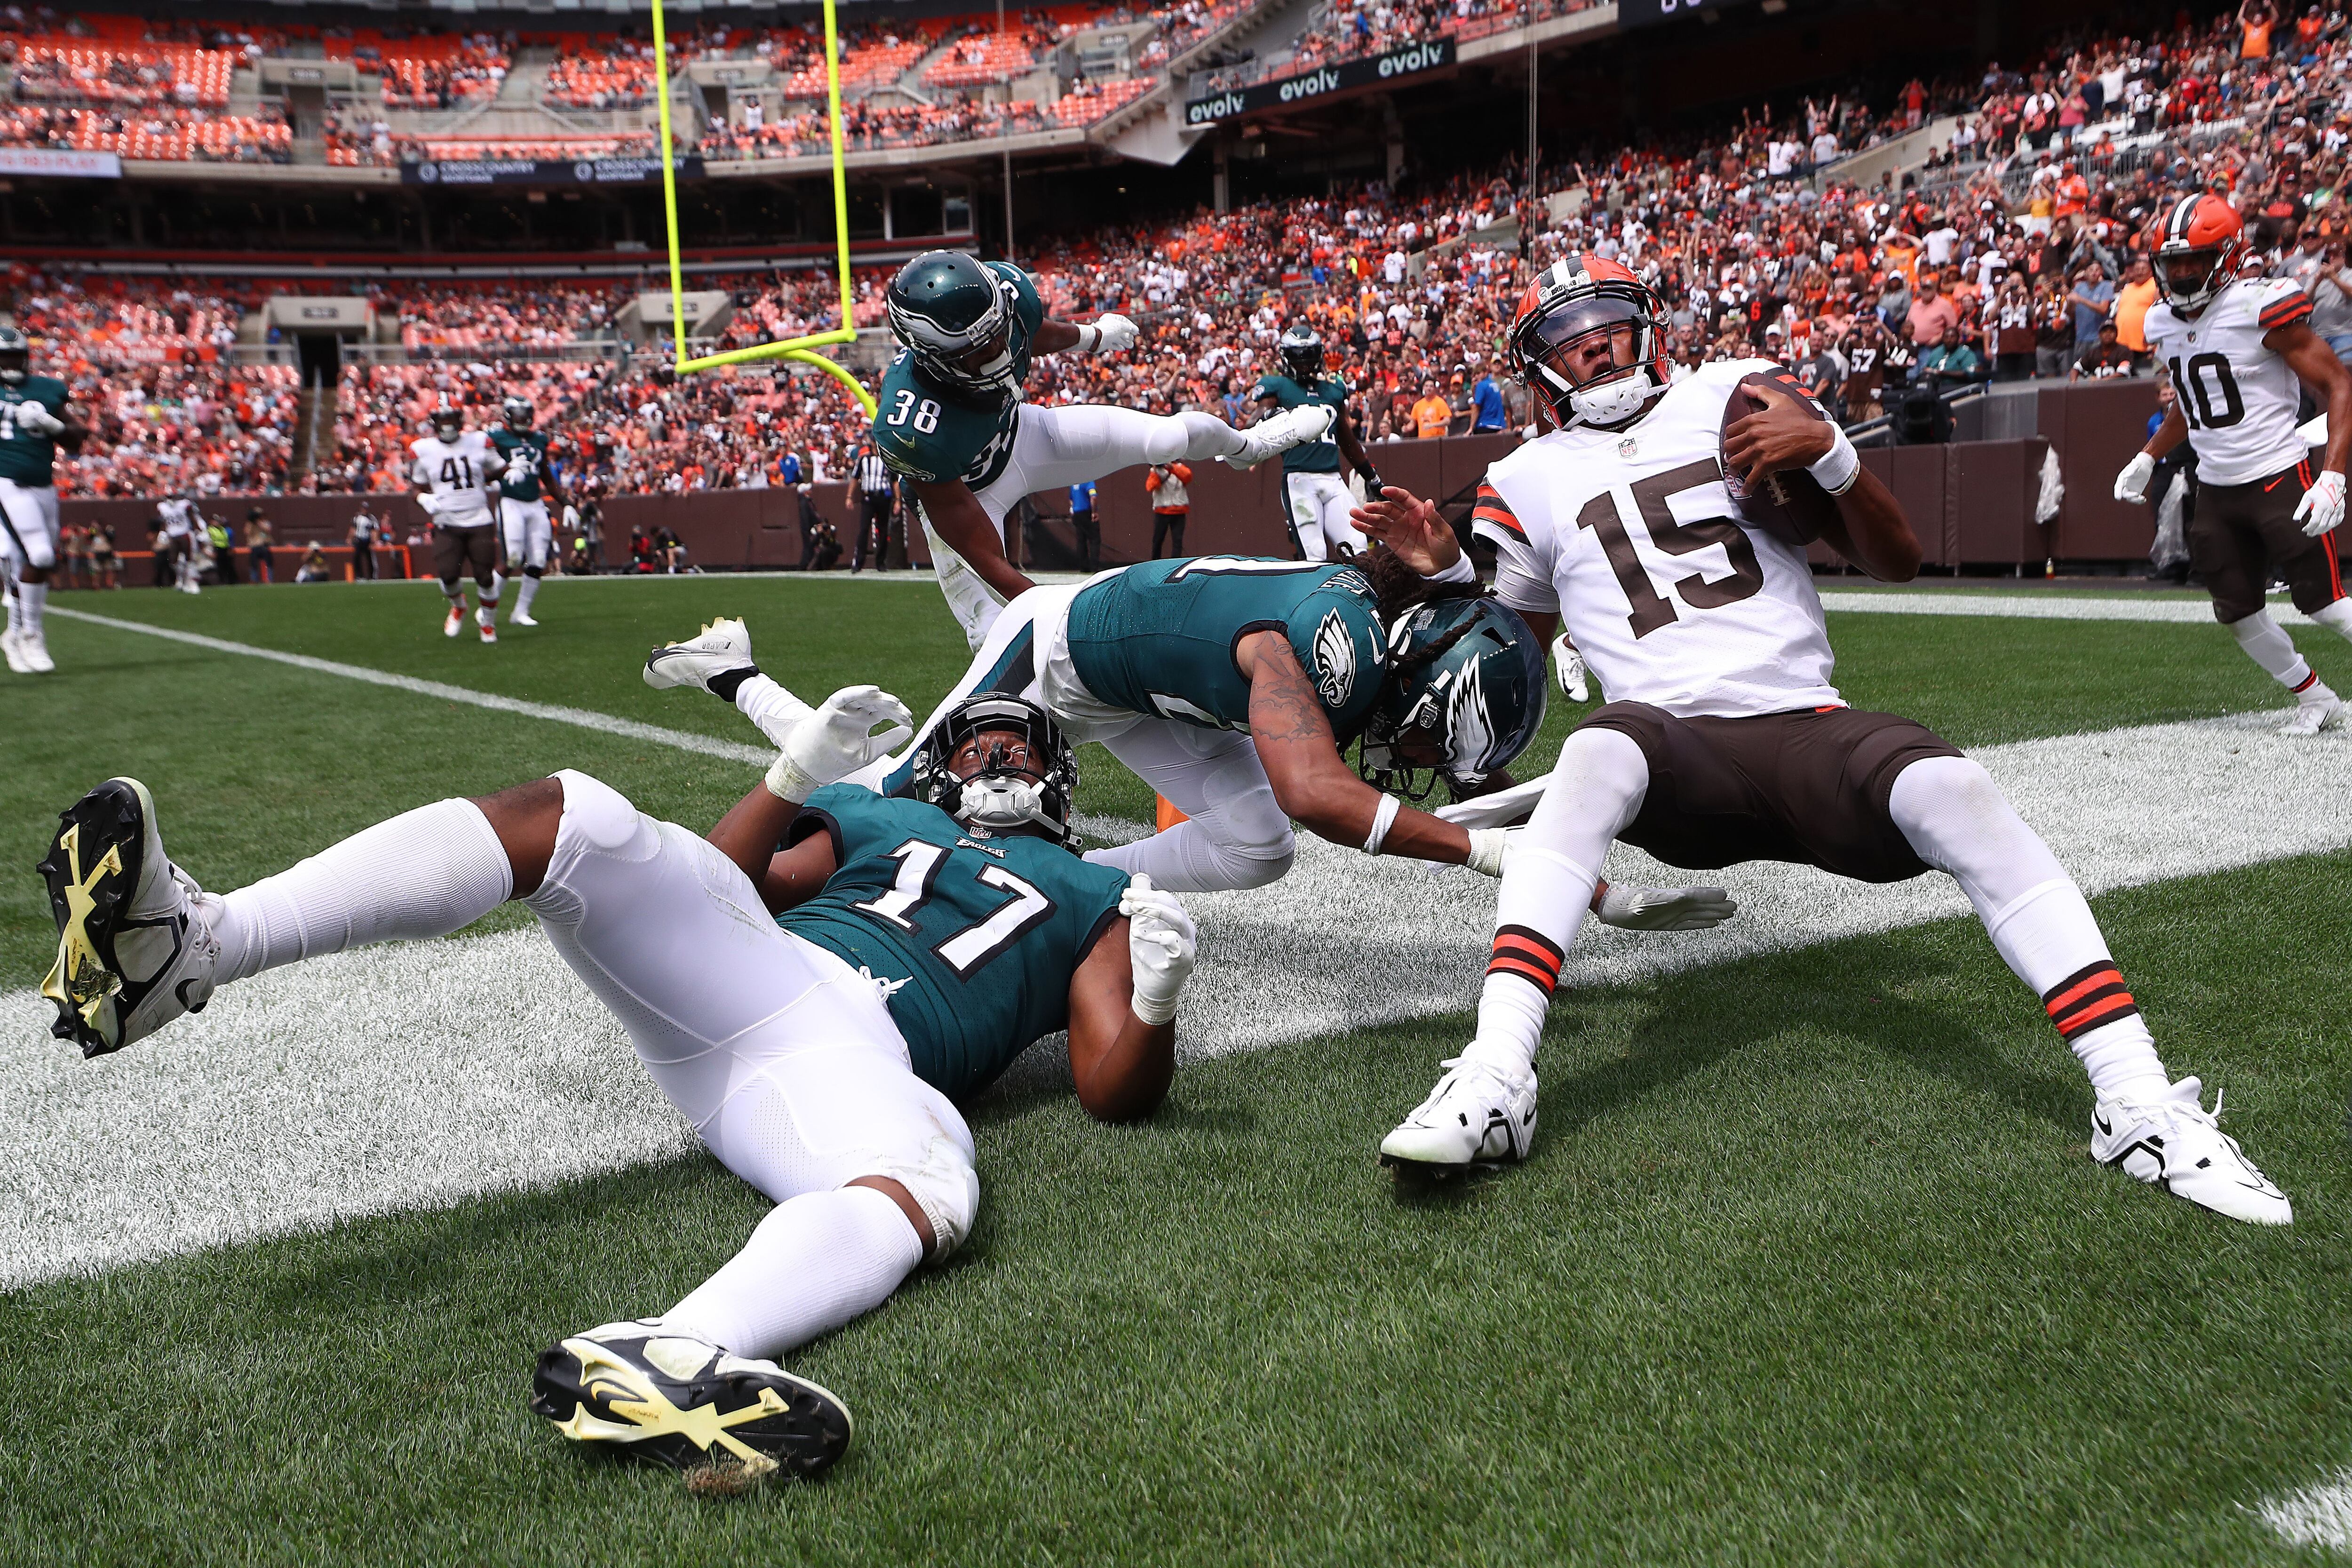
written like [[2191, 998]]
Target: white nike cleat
[[519, 619], [1572, 672], [2311, 717], [455, 622], [33, 650], [723, 645], [1278, 433], [490, 632], [1474, 1116], [683, 1402], [135, 943], [16, 658], [2177, 1145]]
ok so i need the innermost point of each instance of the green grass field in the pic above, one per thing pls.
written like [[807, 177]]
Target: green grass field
[[1808, 1264]]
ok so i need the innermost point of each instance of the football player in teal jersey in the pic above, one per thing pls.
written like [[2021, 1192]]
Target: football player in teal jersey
[[1316, 501], [34, 423], [811, 988], [525, 489], [950, 417], [1233, 687]]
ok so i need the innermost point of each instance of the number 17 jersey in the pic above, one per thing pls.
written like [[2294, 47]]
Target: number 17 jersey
[[1630, 537]]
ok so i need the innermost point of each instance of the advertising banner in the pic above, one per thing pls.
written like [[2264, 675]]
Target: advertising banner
[[544, 172], [1411, 59]]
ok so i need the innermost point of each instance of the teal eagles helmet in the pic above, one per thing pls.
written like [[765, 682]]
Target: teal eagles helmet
[[517, 411], [1302, 353], [1466, 676], [15, 355], [963, 333], [998, 798]]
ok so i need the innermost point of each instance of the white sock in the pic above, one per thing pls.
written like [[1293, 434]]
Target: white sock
[[816, 1262], [14, 596], [424, 873], [525, 594], [457, 596], [764, 700], [34, 599], [1957, 820], [1595, 793], [2337, 617], [496, 589], [2267, 644], [486, 613]]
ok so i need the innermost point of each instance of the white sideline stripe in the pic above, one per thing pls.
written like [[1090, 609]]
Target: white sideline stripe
[[421, 1074], [2316, 1516], [2038, 607], [579, 718]]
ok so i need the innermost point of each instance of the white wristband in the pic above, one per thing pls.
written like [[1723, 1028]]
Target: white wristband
[[1094, 346], [1152, 1010], [1382, 820], [787, 783], [1838, 468], [1460, 571]]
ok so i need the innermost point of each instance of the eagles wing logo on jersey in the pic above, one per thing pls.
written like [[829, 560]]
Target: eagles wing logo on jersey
[[1470, 733], [1334, 660]]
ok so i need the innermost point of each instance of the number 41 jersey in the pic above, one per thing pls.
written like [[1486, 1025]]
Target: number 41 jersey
[[2238, 396], [1631, 536], [975, 939]]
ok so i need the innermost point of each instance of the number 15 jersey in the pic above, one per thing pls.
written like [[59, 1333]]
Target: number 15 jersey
[[2239, 397], [1630, 537]]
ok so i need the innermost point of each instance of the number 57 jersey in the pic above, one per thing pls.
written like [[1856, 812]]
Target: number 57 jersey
[[1630, 537], [974, 938]]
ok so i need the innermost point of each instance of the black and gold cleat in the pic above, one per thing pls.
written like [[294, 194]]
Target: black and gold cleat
[[133, 953], [683, 1403]]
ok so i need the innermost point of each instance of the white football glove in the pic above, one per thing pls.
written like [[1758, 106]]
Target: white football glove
[[430, 502], [1487, 846], [1116, 335], [1162, 943], [1665, 909], [2131, 485], [36, 418], [835, 739], [1572, 671], [2323, 504]]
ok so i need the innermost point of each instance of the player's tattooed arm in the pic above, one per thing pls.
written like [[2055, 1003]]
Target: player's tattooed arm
[[749, 836], [962, 525], [1312, 781], [1120, 1065]]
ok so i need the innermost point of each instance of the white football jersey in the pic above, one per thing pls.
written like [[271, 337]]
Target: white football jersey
[[1631, 536], [179, 517], [459, 473], [2239, 397]]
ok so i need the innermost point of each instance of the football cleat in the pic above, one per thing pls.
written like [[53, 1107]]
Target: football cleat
[[1573, 684], [135, 949], [519, 619], [722, 645], [16, 658], [33, 650], [2310, 718], [1278, 433], [455, 622], [682, 1402], [1474, 1116], [2178, 1146], [490, 632]]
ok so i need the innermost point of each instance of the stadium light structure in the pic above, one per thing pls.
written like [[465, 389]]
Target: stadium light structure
[[801, 349]]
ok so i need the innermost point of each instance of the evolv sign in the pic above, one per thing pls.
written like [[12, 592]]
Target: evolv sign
[[1411, 59]]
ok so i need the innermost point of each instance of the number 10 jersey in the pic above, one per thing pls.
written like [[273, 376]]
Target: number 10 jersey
[[2239, 397], [1632, 538]]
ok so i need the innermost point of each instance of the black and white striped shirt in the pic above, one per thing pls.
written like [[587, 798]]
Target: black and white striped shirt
[[873, 474]]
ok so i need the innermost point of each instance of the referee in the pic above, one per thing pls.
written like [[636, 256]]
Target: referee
[[872, 477]]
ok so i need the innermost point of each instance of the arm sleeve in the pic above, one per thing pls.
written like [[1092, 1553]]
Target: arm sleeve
[[1520, 580]]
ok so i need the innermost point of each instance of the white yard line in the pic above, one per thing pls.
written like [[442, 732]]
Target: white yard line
[[2041, 608], [423, 1073], [2316, 1516]]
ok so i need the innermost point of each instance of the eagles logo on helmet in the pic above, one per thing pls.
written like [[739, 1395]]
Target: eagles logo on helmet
[[1569, 301], [2204, 245], [948, 313], [15, 355], [517, 411], [999, 797], [1466, 683], [1302, 353]]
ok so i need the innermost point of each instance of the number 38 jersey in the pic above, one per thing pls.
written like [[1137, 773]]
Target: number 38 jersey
[[454, 470], [2239, 397], [936, 433], [975, 939], [1631, 536]]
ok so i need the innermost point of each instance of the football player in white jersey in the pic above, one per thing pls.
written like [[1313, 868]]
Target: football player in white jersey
[[2237, 352], [183, 531], [1723, 739], [452, 471]]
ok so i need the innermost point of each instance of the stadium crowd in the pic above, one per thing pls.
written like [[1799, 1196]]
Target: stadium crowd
[[2018, 254]]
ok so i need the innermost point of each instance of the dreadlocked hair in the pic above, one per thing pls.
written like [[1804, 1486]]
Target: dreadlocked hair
[[1397, 587]]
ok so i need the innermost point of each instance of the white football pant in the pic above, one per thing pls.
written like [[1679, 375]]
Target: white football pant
[[523, 526], [1319, 507], [30, 516]]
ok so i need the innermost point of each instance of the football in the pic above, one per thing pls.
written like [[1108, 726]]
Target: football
[[1791, 507]]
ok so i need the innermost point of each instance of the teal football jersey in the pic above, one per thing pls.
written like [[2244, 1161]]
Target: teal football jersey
[[977, 937], [933, 433], [25, 457], [526, 459], [1308, 457], [1159, 637]]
